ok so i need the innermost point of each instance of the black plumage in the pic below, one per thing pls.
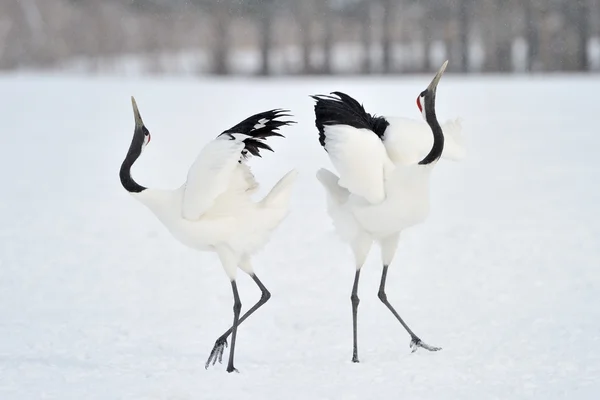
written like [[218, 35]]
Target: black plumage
[[344, 110], [259, 131]]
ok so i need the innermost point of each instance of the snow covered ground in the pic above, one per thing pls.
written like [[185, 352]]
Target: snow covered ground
[[97, 301]]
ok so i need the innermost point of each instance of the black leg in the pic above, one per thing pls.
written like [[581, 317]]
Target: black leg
[[415, 341], [355, 300], [237, 306], [221, 343]]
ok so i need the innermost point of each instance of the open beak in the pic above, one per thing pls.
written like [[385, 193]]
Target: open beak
[[436, 79], [136, 114]]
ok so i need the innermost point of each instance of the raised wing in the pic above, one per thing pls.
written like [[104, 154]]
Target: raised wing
[[352, 139], [407, 141], [213, 171], [210, 175]]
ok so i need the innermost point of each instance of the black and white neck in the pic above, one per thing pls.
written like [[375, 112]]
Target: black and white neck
[[426, 104], [141, 137]]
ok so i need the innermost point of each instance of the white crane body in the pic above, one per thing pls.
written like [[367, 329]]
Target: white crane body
[[214, 210], [381, 188]]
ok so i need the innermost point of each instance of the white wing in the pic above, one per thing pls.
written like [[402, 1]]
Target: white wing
[[248, 183], [454, 145], [346, 226], [361, 160], [210, 175], [408, 141]]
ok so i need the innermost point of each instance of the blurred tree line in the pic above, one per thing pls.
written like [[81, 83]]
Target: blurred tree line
[[300, 36]]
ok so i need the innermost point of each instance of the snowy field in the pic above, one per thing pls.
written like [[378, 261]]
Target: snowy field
[[98, 301]]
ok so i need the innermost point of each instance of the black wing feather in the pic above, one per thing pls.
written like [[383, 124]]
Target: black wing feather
[[344, 110], [267, 128]]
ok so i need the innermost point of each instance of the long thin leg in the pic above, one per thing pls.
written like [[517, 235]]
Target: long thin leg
[[237, 306], [415, 342], [355, 301], [221, 343]]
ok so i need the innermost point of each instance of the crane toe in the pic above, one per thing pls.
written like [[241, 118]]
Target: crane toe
[[416, 343], [216, 353]]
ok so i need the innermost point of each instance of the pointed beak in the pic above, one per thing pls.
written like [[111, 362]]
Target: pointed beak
[[136, 114], [436, 79]]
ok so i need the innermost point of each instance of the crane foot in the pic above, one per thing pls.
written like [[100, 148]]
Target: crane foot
[[416, 343], [217, 352]]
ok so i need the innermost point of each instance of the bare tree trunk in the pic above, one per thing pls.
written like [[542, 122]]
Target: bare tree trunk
[[463, 33], [427, 42], [386, 43], [5, 27], [583, 24], [306, 50], [531, 33], [504, 54], [221, 43], [327, 39], [365, 15], [265, 21], [32, 18], [492, 26], [306, 7]]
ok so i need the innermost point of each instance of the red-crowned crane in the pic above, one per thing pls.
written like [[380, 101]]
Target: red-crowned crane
[[382, 187], [213, 210]]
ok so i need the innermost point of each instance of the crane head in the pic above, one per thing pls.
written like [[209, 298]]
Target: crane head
[[426, 99], [140, 129]]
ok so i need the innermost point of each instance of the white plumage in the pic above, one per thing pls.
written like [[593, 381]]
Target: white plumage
[[408, 140], [211, 175], [361, 160], [213, 210], [365, 161], [382, 186]]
